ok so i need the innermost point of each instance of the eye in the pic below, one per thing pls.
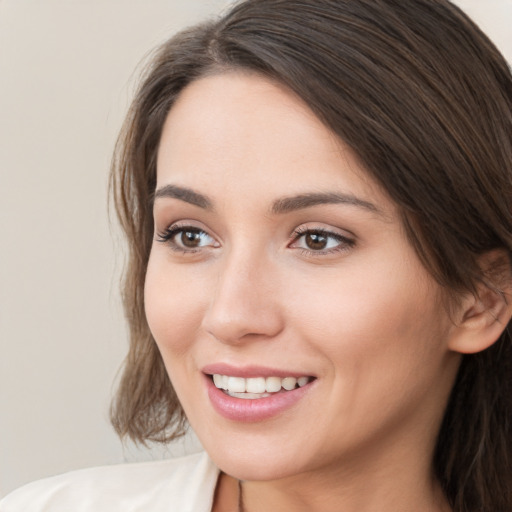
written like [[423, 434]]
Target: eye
[[320, 241], [186, 238]]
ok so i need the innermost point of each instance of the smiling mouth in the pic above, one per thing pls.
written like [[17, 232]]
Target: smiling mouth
[[257, 387]]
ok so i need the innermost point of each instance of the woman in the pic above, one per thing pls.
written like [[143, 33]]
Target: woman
[[316, 196]]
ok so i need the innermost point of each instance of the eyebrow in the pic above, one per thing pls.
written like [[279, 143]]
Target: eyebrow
[[301, 201], [184, 194], [280, 206]]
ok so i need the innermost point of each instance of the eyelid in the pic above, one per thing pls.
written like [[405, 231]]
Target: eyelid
[[346, 242], [166, 236]]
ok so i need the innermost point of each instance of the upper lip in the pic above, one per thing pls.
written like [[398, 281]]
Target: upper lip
[[248, 371]]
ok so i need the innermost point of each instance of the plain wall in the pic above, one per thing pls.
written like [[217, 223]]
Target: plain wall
[[66, 70]]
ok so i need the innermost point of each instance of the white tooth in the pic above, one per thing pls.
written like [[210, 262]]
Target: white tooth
[[255, 385], [236, 384], [217, 380], [289, 383], [273, 384], [225, 382], [302, 381], [248, 395]]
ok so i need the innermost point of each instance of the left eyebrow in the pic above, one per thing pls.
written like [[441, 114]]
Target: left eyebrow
[[301, 201]]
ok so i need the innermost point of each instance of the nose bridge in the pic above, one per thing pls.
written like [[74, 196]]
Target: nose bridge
[[244, 301]]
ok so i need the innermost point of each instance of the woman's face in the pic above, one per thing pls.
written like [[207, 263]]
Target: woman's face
[[281, 271]]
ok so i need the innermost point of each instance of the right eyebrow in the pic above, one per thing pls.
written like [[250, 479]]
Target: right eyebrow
[[184, 194]]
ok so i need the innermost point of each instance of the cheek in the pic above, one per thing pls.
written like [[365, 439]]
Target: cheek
[[371, 320], [381, 340], [174, 303], [359, 303]]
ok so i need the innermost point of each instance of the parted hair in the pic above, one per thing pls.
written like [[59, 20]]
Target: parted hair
[[424, 99]]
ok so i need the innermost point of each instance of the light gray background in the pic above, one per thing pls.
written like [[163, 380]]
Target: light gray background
[[66, 74]]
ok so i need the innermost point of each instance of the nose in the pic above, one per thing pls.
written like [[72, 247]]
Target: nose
[[245, 303]]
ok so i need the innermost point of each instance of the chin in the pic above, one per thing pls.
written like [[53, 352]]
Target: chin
[[256, 457]]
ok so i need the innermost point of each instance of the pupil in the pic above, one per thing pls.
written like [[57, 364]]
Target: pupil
[[189, 239], [316, 241]]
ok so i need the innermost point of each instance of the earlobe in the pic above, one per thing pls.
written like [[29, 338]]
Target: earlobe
[[483, 317]]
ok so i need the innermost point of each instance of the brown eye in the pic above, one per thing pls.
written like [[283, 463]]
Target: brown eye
[[321, 241], [187, 238], [315, 241], [190, 239]]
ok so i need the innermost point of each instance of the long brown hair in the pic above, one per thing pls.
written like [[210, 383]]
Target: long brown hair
[[425, 100]]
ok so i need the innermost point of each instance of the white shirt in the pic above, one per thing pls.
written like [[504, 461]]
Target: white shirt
[[185, 484]]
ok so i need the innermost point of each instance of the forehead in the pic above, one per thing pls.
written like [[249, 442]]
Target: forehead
[[256, 112], [240, 128]]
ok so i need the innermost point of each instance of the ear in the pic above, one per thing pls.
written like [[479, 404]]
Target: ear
[[483, 317]]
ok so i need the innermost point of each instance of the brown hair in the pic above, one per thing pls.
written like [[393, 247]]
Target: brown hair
[[425, 100]]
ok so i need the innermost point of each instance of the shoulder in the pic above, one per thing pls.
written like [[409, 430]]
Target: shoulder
[[182, 484]]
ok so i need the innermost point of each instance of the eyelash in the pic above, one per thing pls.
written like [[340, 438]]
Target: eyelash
[[344, 243], [169, 233]]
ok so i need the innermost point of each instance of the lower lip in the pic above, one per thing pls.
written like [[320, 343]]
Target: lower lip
[[248, 410]]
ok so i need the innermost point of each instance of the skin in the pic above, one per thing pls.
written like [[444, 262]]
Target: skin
[[363, 316]]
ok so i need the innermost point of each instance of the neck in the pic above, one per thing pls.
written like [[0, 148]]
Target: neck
[[384, 480], [307, 495], [345, 493], [252, 500]]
